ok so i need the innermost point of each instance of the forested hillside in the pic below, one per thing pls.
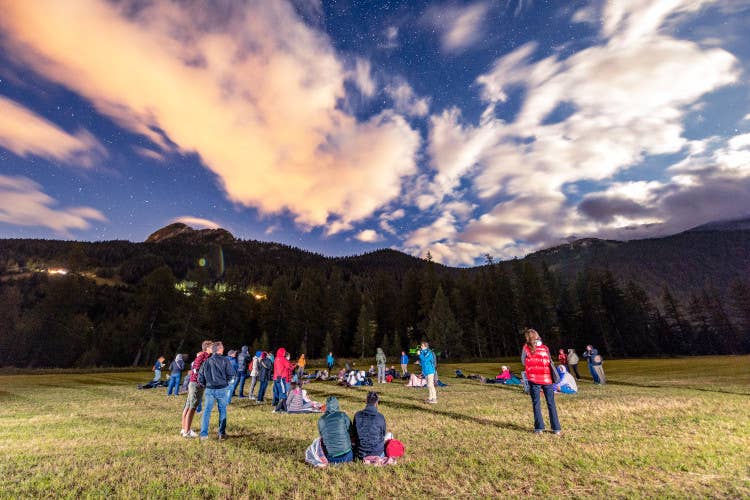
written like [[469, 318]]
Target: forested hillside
[[120, 303]]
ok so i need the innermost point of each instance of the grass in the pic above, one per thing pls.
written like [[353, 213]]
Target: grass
[[665, 428]]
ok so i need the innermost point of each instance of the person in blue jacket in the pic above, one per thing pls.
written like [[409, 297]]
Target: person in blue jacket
[[590, 354], [329, 361], [429, 370], [232, 356], [404, 362]]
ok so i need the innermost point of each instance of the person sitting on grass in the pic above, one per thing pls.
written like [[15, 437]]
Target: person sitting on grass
[[567, 384], [370, 429], [335, 430], [416, 381], [298, 402]]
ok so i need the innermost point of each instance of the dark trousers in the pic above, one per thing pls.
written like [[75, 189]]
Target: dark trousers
[[262, 390], [574, 369], [549, 396]]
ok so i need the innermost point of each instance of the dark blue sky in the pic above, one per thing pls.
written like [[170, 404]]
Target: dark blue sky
[[463, 128]]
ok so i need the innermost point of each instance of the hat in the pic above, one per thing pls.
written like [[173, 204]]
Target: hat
[[394, 448]]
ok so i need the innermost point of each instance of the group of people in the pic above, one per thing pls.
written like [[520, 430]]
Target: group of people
[[213, 380]]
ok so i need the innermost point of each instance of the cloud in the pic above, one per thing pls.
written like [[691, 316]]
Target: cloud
[[196, 222], [22, 203], [369, 236], [362, 77], [405, 101], [626, 99], [460, 27], [25, 133], [250, 88], [390, 38]]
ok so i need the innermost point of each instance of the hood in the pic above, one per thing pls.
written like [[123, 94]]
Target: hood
[[561, 370], [178, 357], [281, 352], [332, 404], [244, 349], [259, 354], [380, 351]]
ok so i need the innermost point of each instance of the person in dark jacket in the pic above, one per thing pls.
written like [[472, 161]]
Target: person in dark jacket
[[214, 375], [335, 433], [595, 364], [232, 355], [243, 359], [175, 373], [265, 373], [369, 429]]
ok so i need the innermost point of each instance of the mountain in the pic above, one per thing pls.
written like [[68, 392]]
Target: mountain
[[725, 225], [186, 234]]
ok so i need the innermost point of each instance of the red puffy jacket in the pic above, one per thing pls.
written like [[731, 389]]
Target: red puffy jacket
[[538, 365], [281, 366]]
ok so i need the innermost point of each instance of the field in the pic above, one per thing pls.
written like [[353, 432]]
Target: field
[[668, 428]]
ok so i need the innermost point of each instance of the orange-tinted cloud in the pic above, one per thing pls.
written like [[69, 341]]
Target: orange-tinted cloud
[[254, 91], [25, 133]]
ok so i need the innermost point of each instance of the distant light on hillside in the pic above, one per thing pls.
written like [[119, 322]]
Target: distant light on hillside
[[57, 271]]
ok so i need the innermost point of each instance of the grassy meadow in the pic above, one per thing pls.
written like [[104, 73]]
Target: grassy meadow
[[661, 428]]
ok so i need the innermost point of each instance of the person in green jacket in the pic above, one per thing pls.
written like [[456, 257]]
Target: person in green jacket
[[335, 428], [381, 360]]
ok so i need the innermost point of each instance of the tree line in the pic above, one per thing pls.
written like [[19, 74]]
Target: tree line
[[312, 307]]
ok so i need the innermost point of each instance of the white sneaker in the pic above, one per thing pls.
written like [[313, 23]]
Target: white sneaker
[[191, 434], [182, 432]]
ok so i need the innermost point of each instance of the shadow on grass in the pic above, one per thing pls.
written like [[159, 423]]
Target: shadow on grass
[[283, 447], [656, 386], [434, 410]]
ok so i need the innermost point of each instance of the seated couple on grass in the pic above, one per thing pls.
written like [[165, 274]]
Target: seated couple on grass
[[341, 441]]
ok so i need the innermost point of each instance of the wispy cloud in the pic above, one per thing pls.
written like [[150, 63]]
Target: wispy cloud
[[23, 203], [26, 133], [196, 222], [251, 88], [405, 100], [460, 26]]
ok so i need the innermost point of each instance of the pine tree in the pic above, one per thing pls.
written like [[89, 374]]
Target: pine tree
[[396, 347], [327, 345], [442, 328], [366, 328]]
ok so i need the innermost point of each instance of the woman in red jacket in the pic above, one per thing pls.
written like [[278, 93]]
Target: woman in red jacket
[[537, 361]]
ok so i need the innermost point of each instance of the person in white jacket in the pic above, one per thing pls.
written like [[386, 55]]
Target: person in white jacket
[[254, 371]]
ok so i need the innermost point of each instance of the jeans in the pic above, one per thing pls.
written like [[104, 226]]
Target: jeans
[[280, 390], [220, 397], [549, 396], [157, 376], [174, 382], [593, 373], [381, 373], [262, 390], [241, 383], [346, 457], [574, 369], [230, 389]]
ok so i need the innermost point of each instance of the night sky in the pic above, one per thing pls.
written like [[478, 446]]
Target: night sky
[[462, 128]]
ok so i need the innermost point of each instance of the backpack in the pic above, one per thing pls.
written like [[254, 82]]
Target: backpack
[[394, 448], [598, 358]]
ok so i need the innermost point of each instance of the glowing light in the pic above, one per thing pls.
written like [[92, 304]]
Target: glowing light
[[57, 271], [202, 262]]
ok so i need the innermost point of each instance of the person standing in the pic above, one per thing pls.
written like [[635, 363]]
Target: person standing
[[429, 370], [281, 376], [562, 358], [538, 365], [254, 373], [573, 363], [334, 428], [381, 360], [265, 374], [158, 365], [175, 373], [195, 390], [404, 363], [329, 361], [594, 360], [243, 359], [232, 357], [215, 375], [370, 429], [301, 362]]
